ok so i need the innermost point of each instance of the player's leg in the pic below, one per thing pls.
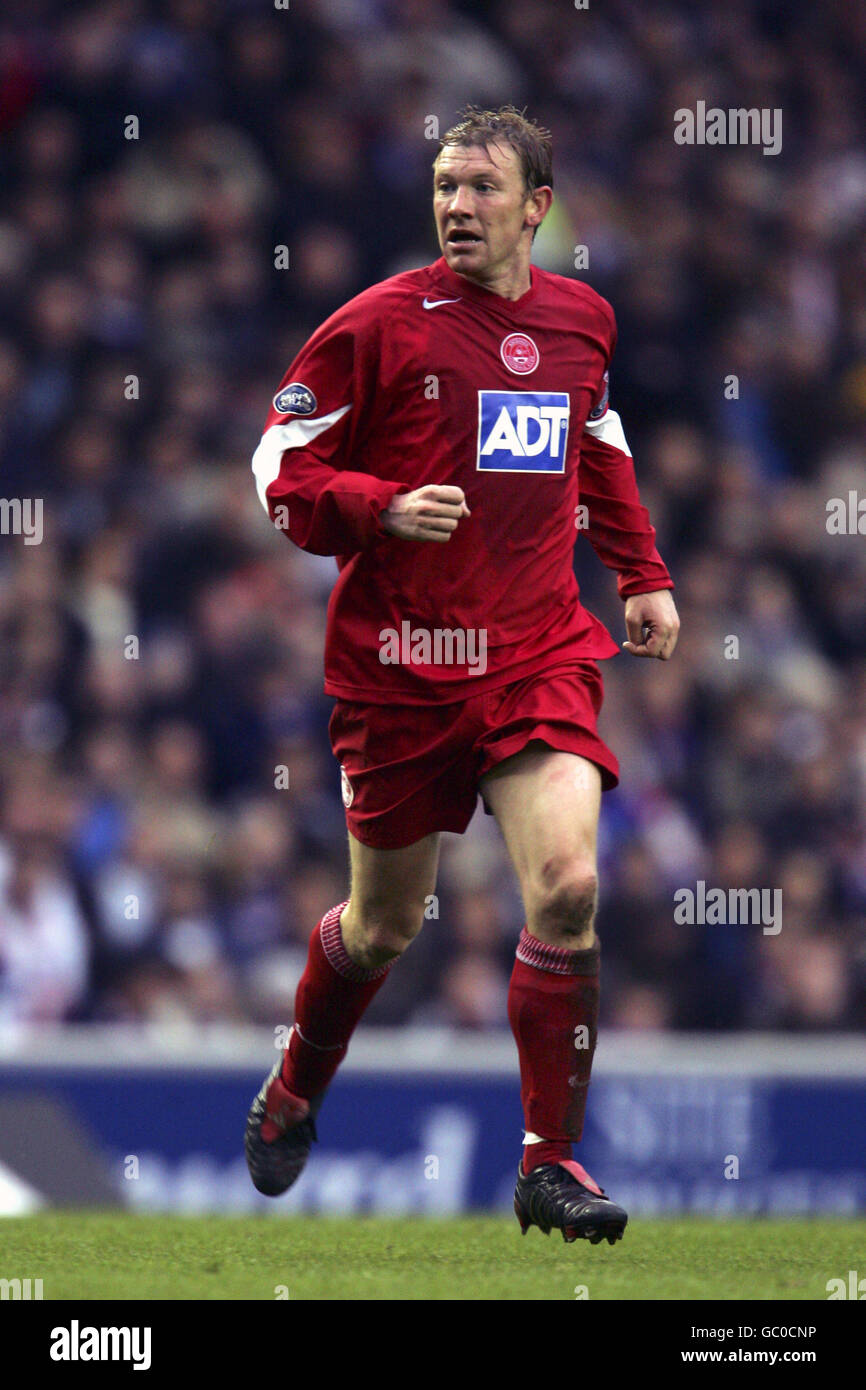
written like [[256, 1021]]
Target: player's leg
[[405, 777], [547, 805], [350, 954], [387, 898]]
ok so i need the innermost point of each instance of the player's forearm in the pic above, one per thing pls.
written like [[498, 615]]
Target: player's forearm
[[335, 513], [631, 551], [618, 524]]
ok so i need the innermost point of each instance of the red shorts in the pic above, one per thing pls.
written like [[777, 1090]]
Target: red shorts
[[410, 770]]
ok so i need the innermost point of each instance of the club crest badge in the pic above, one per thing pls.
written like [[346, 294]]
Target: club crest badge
[[347, 789], [519, 354]]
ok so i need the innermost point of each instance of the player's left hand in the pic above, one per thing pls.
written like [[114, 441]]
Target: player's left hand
[[652, 624]]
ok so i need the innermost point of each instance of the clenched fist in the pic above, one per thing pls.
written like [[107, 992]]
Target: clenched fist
[[429, 513], [652, 623]]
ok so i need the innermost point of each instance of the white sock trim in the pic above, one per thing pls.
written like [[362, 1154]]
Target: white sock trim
[[530, 1138]]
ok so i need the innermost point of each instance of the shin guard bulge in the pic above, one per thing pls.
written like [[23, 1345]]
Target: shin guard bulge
[[553, 1003], [331, 997]]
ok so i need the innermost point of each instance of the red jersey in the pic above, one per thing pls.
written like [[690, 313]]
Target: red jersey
[[429, 378]]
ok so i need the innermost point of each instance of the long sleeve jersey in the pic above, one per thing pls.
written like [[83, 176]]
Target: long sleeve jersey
[[428, 377]]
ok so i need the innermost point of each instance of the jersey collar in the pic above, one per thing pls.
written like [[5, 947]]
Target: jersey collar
[[468, 289]]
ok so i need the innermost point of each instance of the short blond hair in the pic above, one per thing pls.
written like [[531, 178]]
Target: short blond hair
[[508, 126]]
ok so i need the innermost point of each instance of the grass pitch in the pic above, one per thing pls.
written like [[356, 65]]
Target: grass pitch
[[103, 1255]]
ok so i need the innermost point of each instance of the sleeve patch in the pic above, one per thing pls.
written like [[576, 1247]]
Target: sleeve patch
[[599, 409], [295, 399]]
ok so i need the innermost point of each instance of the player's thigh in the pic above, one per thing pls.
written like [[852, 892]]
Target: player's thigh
[[390, 887], [547, 805]]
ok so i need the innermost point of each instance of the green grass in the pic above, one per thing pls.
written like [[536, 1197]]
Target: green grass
[[101, 1255]]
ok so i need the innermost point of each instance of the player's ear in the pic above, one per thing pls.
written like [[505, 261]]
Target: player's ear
[[540, 200]]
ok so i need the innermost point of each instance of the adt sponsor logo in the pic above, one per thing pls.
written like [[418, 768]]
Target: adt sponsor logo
[[522, 431]]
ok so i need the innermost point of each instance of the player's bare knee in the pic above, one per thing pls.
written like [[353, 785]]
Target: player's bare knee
[[563, 909], [378, 932]]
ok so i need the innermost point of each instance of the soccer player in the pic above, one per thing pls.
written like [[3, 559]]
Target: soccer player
[[437, 435]]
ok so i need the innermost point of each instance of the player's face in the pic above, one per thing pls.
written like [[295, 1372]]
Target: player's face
[[481, 205]]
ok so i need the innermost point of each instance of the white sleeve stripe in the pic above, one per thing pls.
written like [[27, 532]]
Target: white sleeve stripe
[[294, 434], [608, 430]]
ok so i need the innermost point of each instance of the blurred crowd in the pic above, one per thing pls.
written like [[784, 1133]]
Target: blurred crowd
[[161, 648]]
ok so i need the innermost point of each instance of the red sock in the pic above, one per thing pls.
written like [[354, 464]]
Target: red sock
[[332, 994], [534, 1155], [553, 994]]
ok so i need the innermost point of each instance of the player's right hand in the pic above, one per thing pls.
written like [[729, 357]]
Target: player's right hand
[[429, 513]]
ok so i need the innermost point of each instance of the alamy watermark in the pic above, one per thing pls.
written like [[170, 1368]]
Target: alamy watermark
[[439, 646], [846, 516], [732, 906], [855, 1288], [736, 126], [20, 1289], [77, 1343], [22, 516]]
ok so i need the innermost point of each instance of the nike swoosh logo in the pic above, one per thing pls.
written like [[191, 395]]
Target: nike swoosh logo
[[434, 303]]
